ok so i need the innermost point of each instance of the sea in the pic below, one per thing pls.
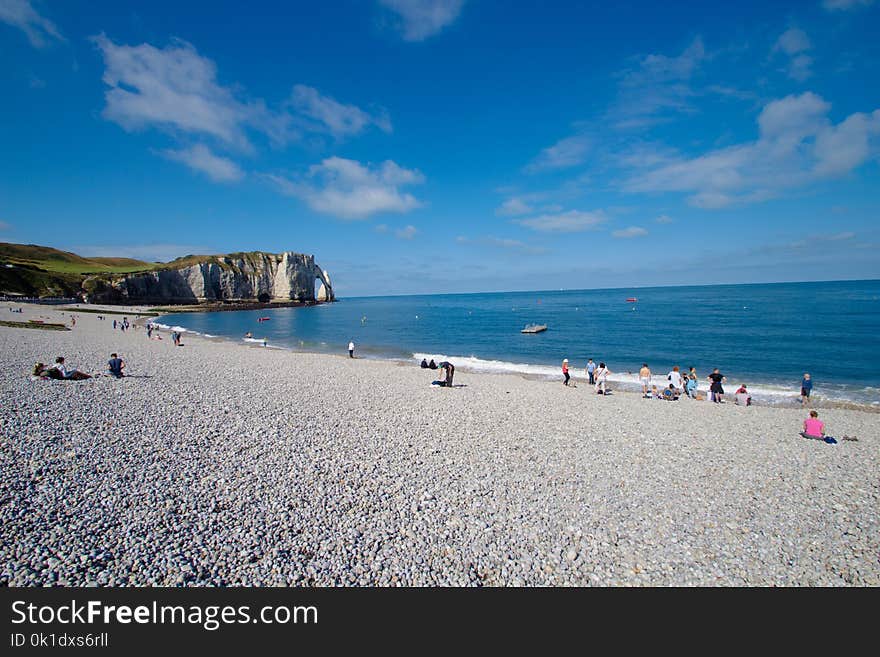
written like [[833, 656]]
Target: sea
[[762, 335]]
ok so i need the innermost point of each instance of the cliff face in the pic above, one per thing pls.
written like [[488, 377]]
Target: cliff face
[[242, 276]]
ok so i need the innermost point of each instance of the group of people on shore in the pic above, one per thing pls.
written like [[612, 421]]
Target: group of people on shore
[[678, 384], [60, 371]]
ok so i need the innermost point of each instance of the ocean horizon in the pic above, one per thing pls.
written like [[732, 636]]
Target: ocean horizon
[[765, 335]]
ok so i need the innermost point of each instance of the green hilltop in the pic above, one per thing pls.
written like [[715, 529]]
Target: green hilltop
[[32, 270]]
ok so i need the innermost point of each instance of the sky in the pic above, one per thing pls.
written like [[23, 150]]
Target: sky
[[446, 146]]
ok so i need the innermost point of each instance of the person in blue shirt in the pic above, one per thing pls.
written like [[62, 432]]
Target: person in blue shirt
[[806, 389], [590, 369], [116, 365]]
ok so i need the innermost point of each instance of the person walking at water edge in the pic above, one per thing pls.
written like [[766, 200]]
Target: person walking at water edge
[[645, 379], [591, 370], [351, 349], [716, 390], [565, 371], [806, 388], [601, 379]]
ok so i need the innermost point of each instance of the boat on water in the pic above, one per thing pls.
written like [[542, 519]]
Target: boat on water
[[534, 328], [631, 300], [264, 319]]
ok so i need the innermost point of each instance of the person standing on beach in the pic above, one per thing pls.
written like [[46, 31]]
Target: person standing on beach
[[806, 388], [716, 390], [601, 378], [351, 349], [591, 370], [645, 379], [674, 377], [565, 371]]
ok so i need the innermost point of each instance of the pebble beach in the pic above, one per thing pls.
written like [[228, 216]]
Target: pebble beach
[[218, 463]]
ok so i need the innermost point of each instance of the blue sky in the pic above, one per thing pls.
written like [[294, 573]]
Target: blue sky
[[420, 146]]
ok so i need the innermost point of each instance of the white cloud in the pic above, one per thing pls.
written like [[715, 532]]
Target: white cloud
[[628, 233], [793, 43], [797, 146], [177, 89], [664, 219], [832, 5], [573, 221], [381, 228], [406, 233], [39, 30], [565, 153], [200, 158], [351, 190], [147, 252], [174, 87], [420, 19], [332, 116], [512, 207], [657, 88]]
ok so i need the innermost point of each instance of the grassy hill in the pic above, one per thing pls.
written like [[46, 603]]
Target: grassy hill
[[31, 270], [52, 260]]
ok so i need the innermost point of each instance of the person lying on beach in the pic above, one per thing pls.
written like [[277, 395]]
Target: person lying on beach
[[116, 365], [59, 371], [40, 371]]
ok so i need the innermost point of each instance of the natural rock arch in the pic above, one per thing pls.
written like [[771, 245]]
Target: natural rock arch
[[325, 292]]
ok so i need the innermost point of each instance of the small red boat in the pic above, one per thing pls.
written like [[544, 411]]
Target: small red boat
[[264, 319], [631, 300]]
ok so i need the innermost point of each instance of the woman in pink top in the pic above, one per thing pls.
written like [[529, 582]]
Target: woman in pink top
[[813, 426]]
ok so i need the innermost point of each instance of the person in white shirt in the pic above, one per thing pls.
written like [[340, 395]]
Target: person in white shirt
[[351, 349], [674, 377], [601, 378]]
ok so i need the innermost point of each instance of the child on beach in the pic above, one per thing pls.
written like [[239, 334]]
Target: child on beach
[[565, 371], [806, 388]]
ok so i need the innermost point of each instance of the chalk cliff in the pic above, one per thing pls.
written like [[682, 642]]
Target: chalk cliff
[[249, 276]]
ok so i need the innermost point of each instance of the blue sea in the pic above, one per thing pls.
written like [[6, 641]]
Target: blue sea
[[763, 335]]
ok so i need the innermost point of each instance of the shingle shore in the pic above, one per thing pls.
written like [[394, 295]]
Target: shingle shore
[[231, 465]]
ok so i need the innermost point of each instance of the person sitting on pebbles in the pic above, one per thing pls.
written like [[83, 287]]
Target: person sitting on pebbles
[[814, 427], [60, 371]]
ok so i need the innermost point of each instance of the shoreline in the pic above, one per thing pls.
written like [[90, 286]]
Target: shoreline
[[214, 465], [628, 385]]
